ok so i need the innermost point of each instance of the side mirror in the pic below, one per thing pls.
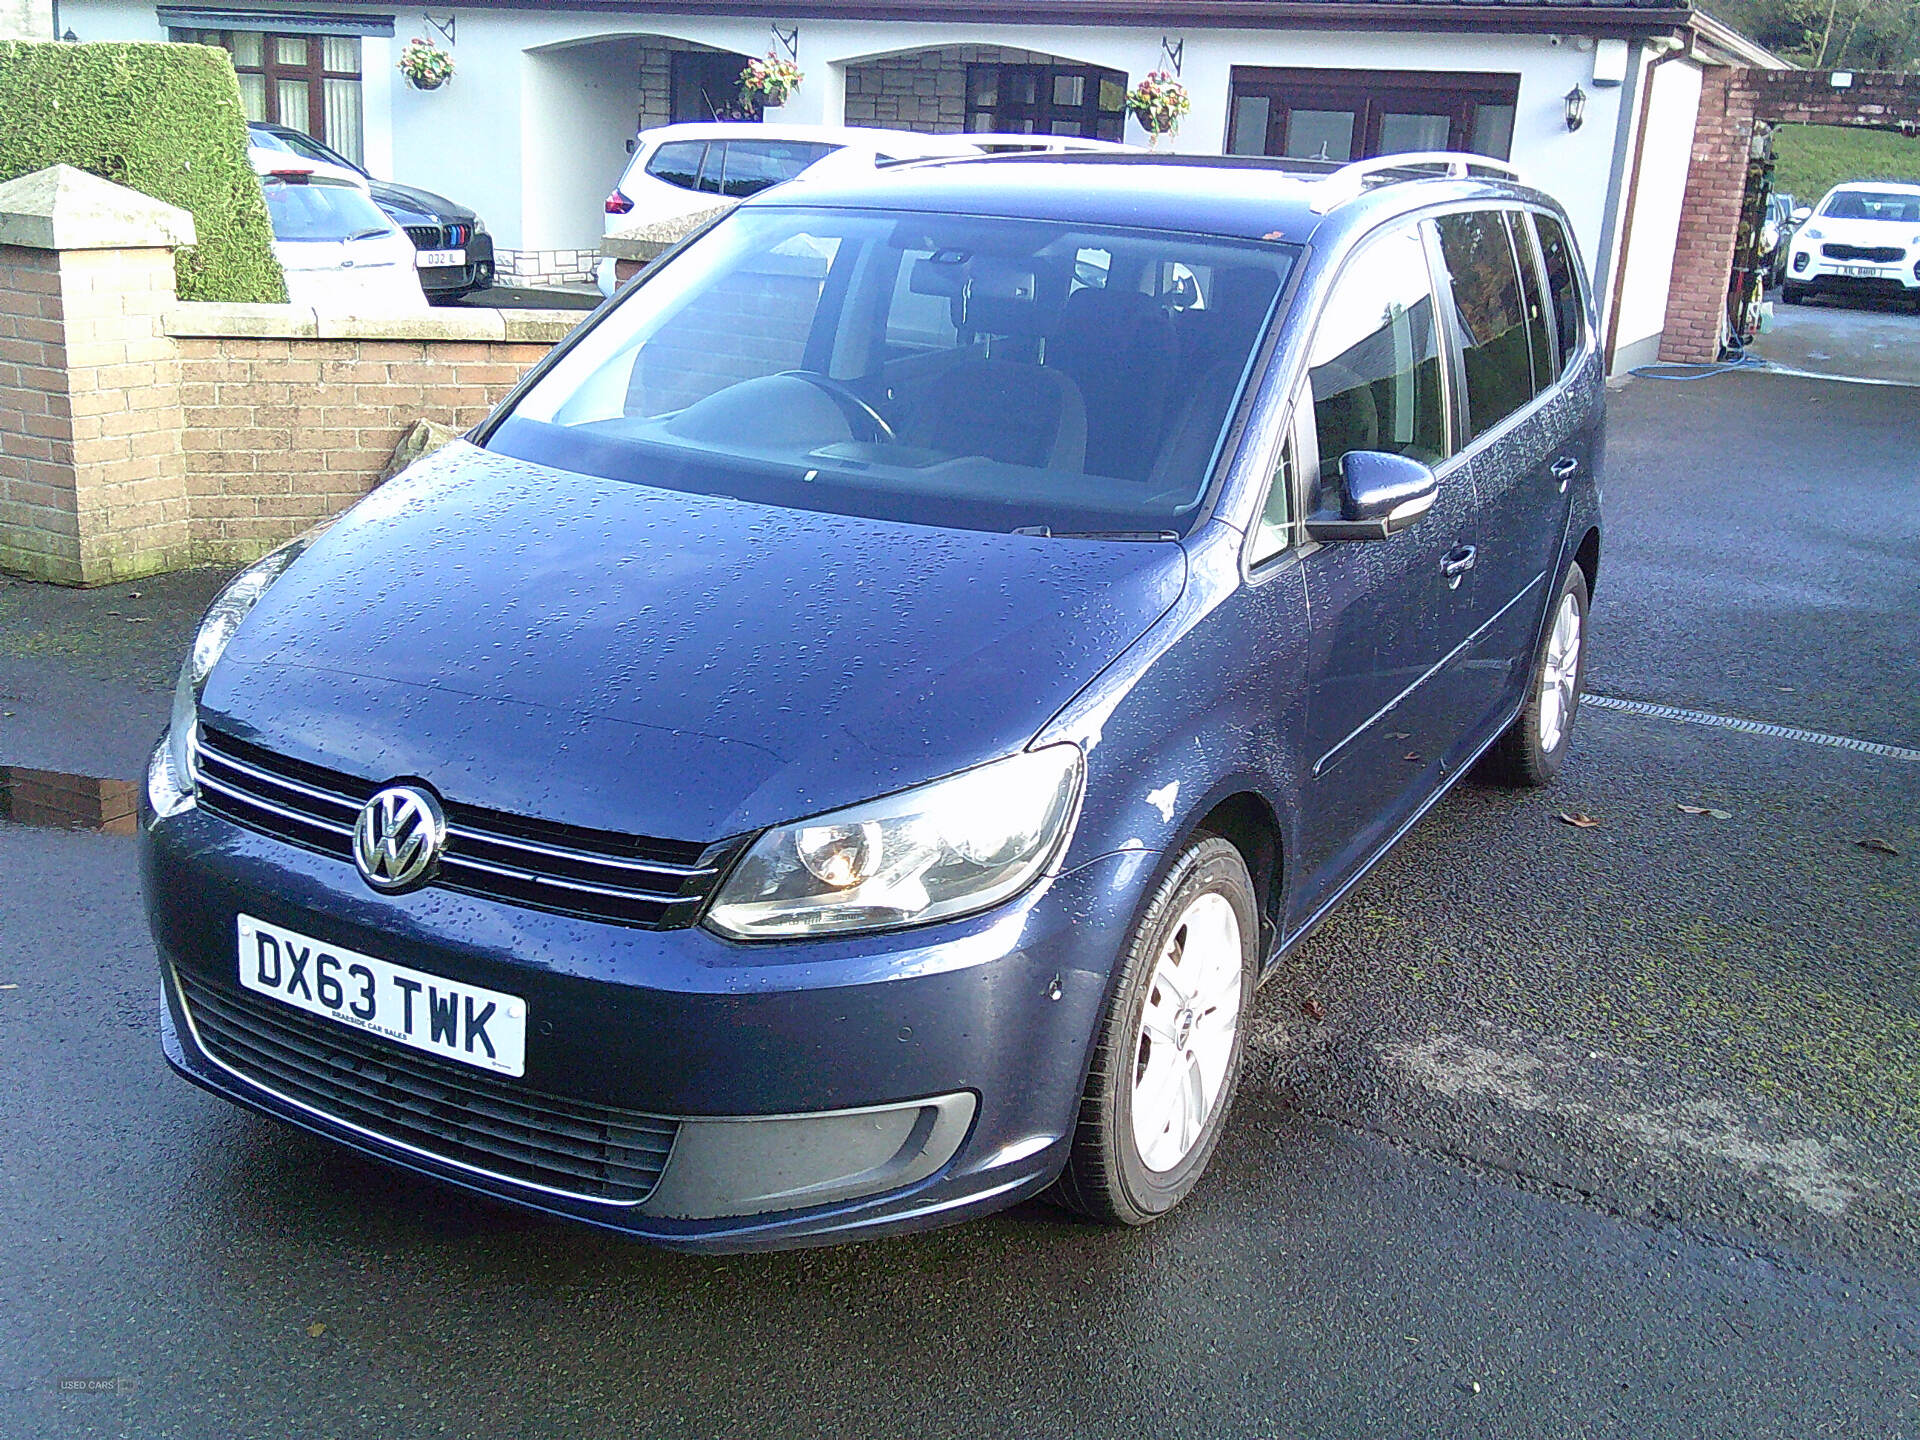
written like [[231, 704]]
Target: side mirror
[[1380, 495], [1802, 213]]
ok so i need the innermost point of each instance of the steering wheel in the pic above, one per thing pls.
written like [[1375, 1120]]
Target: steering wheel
[[859, 414]]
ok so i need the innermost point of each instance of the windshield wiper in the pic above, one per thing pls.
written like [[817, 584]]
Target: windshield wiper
[[367, 234], [1047, 532]]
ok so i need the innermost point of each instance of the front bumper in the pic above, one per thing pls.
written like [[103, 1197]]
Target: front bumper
[[476, 274], [973, 1035], [1832, 277]]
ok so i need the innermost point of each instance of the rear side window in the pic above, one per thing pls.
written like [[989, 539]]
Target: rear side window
[[1490, 322], [1563, 281], [1546, 368], [678, 163], [754, 165], [1375, 365]]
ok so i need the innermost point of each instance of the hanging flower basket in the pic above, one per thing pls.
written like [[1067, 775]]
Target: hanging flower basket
[[769, 81], [426, 65], [1159, 103]]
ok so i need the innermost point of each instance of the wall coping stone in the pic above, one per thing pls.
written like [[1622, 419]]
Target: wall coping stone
[[205, 319], [61, 208], [653, 239]]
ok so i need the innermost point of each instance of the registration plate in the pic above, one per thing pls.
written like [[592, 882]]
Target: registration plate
[[448, 1018], [439, 259], [1862, 272]]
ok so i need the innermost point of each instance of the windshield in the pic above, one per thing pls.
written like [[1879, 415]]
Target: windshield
[[321, 210], [948, 370], [1873, 205]]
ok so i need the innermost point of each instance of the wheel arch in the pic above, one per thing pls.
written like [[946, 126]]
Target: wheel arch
[[1587, 557], [1246, 821]]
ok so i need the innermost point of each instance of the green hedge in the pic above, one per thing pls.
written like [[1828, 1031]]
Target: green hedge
[[158, 118]]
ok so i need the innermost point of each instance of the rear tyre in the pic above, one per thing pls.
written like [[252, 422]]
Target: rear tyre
[[1533, 748], [1167, 1059]]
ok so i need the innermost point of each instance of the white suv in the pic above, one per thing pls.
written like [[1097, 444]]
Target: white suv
[[1862, 239], [684, 169]]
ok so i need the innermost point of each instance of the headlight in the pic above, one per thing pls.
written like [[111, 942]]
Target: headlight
[[950, 848], [170, 776]]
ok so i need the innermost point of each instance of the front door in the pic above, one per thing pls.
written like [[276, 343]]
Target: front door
[[1389, 620]]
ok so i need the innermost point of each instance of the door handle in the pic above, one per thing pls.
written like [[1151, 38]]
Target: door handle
[[1458, 561], [1563, 470]]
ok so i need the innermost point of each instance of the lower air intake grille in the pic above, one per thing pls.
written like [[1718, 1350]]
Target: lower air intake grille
[[493, 1126]]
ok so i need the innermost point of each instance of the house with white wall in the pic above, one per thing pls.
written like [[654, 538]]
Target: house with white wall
[[1595, 102]]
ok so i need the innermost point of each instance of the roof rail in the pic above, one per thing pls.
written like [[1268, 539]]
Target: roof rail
[[1349, 181]]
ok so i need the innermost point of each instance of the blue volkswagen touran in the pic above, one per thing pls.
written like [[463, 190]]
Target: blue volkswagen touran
[[837, 751]]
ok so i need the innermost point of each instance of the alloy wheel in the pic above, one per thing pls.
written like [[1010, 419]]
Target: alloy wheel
[[1185, 1042], [1560, 675]]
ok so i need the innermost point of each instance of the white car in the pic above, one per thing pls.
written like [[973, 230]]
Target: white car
[[339, 251], [679, 170], [1862, 239]]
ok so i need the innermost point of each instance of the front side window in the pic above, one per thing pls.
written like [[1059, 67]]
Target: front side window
[[1374, 368], [1490, 320], [936, 369], [1563, 281]]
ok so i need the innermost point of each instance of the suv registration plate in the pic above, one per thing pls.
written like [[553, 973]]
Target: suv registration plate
[[448, 1018]]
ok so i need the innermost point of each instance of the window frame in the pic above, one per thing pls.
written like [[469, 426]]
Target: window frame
[[1583, 337], [1371, 96], [314, 73]]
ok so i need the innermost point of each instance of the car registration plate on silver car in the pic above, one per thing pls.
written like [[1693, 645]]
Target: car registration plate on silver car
[[439, 259], [448, 1018]]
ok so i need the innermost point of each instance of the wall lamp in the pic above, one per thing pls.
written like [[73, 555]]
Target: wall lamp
[[1576, 103]]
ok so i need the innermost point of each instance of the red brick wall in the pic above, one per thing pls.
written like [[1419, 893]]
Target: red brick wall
[[1730, 102], [281, 433]]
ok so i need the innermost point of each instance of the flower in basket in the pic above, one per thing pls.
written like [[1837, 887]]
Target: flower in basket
[[426, 65], [1159, 103], [769, 82]]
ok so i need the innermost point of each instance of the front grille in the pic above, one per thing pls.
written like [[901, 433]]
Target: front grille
[[594, 874], [414, 1100], [456, 237], [425, 237], [1877, 254]]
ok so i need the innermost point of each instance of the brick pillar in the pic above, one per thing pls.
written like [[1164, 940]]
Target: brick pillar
[[92, 475], [1709, 219]]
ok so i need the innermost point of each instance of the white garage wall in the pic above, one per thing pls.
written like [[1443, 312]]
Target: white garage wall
[[1673, 104]]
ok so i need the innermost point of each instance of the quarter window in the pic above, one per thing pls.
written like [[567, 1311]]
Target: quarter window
[[1375, 363], [678, 163], [1490, 323], [1563, 280]]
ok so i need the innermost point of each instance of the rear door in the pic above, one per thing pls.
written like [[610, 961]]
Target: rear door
[[1388, 622], [1501, 330]]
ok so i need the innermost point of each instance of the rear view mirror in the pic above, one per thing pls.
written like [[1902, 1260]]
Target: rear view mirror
[[1381, 494]]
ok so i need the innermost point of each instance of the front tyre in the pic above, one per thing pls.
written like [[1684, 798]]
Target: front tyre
[[1533, 748], [1168, 1057]]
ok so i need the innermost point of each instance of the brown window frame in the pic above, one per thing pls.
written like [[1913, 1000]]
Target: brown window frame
[[1091, 120], [1371, 95], [271, 71]]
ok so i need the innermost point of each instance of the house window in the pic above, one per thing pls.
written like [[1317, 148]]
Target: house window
[[1355, 114], [1082, 100], [309, 83]]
